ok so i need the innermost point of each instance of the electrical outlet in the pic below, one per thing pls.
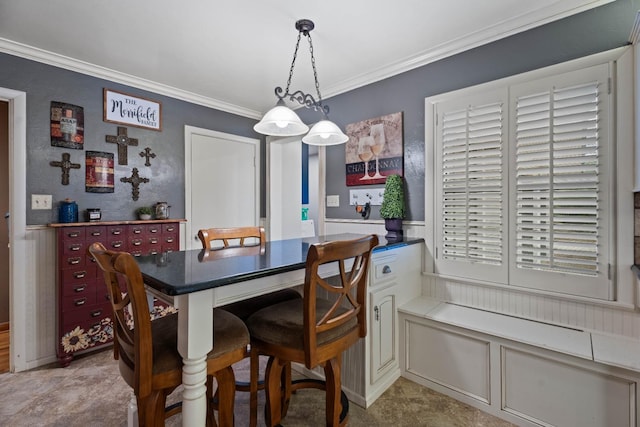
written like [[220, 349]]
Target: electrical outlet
[[333, 201], [41, 201]]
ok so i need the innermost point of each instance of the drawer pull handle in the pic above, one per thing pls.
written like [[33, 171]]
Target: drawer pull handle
[[74, 234], [116, 232], [170, 229], [75, 248], [153, 241], [386, 269], [74, 261], [96, 233], [116, 245], [79, 302], [153, 252], [153, 230], [137, 243], [169, 239], [96, 313], [79, 288], [137, 231], [79, 274]]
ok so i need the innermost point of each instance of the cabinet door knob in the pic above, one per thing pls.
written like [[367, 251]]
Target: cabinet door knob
[[386, 269]]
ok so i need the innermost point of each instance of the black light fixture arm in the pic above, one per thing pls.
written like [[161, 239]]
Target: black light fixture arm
[[304, 26]]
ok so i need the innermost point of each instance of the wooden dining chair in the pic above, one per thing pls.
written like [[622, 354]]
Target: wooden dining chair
[[243, 241], [148, 351], [316, 330]]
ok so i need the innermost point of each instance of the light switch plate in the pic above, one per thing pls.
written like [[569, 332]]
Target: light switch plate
[[333, 201], [41, 201]]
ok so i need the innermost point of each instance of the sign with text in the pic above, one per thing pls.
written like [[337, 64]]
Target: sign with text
[[132, 110]]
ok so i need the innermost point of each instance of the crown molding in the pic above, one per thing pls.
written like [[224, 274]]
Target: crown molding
[[634, 37], [499, 31], [39, 55]]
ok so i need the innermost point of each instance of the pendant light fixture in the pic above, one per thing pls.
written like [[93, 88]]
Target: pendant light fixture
[[282, 121]]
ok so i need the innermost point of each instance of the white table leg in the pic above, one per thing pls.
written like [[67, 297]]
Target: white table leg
[[195, 340], [132, 412]]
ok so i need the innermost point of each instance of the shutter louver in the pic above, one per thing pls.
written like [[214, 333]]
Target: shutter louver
[[557, 180], [472, 189]]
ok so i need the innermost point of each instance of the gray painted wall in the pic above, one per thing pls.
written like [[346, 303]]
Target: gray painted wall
[[597, 30], [44, 83]]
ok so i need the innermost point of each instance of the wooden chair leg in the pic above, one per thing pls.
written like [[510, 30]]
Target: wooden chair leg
[[286, 388], [226, 396], [254, 367], [273, 392], [151, 409], [211, 419], [333, 390]]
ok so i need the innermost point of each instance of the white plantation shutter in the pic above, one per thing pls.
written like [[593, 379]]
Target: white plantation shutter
[[472, 184], [472, 191], [561, 185], [523, 192]]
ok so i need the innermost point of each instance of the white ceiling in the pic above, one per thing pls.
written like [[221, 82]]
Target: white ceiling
[[232, 54]]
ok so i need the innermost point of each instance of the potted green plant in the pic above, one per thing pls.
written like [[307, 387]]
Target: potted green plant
[[144, 212], [392, 209]]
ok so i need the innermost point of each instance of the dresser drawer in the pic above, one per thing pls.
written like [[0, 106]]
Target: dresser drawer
[[384, 269], [72, 233], [170, 228], [96, 234], [79, 289], [74, 247], [79, 275], [86, 315], [154, 229], [72, 302], [72, 261]]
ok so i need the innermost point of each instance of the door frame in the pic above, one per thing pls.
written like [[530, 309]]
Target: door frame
[[18, 273], [192, 130]]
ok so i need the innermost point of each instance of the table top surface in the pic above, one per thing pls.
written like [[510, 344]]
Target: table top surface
[[183, 272]]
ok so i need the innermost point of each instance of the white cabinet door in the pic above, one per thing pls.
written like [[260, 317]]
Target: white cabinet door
[[383, 332]]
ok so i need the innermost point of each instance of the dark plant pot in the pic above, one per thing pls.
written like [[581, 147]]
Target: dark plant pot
[[394, 229]]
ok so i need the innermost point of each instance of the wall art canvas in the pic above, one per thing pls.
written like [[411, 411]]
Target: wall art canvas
[[132, 110], [67, 125], [99, 172], [374, 150]]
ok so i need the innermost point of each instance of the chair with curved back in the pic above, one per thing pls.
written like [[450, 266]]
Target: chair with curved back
[[242, 241], [148, 355], [316, 330]]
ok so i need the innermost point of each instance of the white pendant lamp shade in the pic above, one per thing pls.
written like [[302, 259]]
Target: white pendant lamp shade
[[325, 132], [281, 121]]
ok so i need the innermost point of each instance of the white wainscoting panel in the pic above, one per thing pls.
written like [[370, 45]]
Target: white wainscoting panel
[[582, 315], [40, 290]]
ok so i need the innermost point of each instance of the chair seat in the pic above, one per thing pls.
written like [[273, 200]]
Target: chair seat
[[245, 308], [282, 324], [229, 334]]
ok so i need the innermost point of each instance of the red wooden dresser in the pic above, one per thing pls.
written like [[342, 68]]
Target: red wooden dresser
[[84, 310]]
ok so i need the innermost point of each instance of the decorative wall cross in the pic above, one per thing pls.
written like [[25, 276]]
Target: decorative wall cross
[[135, 180], [123, 142], [148, 154], [65, 165]]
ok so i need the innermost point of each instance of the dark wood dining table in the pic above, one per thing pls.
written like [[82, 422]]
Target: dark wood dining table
[[195, 281]]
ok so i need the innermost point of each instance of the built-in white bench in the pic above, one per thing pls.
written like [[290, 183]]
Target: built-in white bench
[[527, 372]]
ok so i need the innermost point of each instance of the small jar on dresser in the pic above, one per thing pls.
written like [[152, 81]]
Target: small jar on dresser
[[84, 309]]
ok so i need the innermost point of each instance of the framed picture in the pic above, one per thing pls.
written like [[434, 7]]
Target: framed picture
[[67, 125], [132, 110], [99, 177], [374, 150]]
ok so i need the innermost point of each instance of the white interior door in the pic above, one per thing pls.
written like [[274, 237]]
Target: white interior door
[[284, 159], [222, 181]]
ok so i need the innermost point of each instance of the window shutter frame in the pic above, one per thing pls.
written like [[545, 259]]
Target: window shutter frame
[[554, 135], [471, 188]]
